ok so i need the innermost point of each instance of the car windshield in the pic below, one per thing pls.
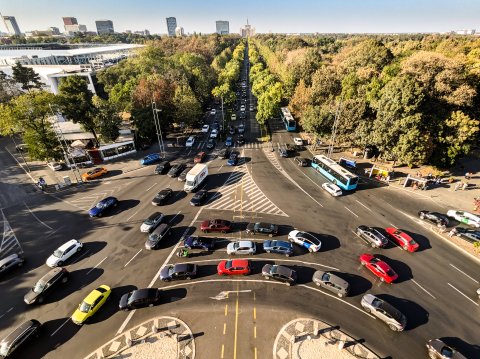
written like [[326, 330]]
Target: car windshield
[[376, 303], [326, 277], [228, 264], [171, 270], [447, 352], [412, 241], [390, 272], [58, 253], [236, 245], [374, 260], [274, 269], [190, 183], [39, 286], [99, 205], [129, 298], [148, 222], [153, 238], [84, 307]]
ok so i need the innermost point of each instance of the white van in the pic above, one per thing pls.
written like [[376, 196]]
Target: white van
[[333, 189], [195, 177], [190, 141]]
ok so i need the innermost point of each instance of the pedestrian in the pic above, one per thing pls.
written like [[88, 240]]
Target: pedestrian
[[467, 175], [452, 232], [465, 185], [456, 186]]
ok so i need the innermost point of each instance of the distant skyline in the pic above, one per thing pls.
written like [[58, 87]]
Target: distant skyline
[[324, 16]]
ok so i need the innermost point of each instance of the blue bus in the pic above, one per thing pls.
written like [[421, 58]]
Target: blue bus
[[335, 173], [288, 120]]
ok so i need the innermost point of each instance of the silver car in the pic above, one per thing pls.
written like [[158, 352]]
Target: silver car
[[331, 282], [10, 262], [437, 349], [384, 311], [372, 236], [241, 247], [151, 222]]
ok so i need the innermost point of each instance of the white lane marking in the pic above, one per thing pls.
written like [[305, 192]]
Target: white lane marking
[[174, 217], [463, 294], [149, 188], [130, 315], [97, 265], [476, 281], [394, 226], [83, 255], [426, 291], [360, 203], [8, 311], [38, 219], [264, 281], [220, 168], [132, 216], [20, 165], [136, 254], [60, 327], [351, 211]]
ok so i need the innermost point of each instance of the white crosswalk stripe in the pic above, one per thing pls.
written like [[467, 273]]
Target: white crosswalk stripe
[[9, 243], [87, 202], [241, 193]]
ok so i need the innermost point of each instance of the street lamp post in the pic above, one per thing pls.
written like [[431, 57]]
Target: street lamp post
[[223, 117], [158, 128]]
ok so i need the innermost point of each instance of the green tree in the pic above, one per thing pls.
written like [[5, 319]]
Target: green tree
[[26, 77], [188, 107], [107, 120]]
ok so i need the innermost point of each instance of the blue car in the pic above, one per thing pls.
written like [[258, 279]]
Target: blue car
[[233, 160], [280, 247], [150, 159], [229, 142], [103, 206]]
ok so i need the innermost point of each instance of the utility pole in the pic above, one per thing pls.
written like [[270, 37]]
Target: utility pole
[[158, 128], [223, 117], [334, 130]]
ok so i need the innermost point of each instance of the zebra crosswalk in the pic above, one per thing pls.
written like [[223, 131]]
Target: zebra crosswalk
[[254, 145], [9, 243], [240, 193], [86, 202]]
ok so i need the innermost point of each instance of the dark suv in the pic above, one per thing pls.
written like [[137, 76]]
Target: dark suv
[[372, 236], [434, 217], [262, 228], [162, 168], [280, 273], [10, 262], [45, 284], [21, 335], [176, 169], [157, 235]]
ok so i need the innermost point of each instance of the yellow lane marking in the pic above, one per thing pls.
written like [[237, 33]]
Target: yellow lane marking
[[223, 349], [236, 327], [224, 328], [255, 352], [226, 309], [255, 332], [255, 313]]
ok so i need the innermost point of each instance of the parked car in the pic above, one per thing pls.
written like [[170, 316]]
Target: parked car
[[437, 349], [402, 239], [151, 222], [199, 157], [436, 218], [234, 117], [241, 128], [302, 162], [278, 247], [44, 285], [205, 128], [176, 170], [95, 173], [242, 108], [229, 142], [157, 235], [240, 140], [231, 130], [306, 240], [331, 282], [162, 197], [203, 243], [19, 337], [199, 198], [55, 166], [465, 217], [298, 141], [224, 153], [333, 189], [64, 252], [372, 236], [241, 247], [211, 143], [213, 112], [190, 142], [378, 267], [262, 228], [11, 261], [216, 225], [282, 151], [150, 159], [470, 235], [234, 267], [178, 271], [384, 311], [103, 206], [91, 304], [252, 108], [214, 133], [233, 159], [162, 168], [279, 273], [140, 298], [183, 176]]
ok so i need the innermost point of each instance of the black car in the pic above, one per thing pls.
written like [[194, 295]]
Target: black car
[[162, 197], [301, 161], [224, 153], [240, 140], [231, 130], [468, 234], [233, 159], [211, 143], [176, 170], [45, 284], [162, 168], [282, 151], [157, 235], [140, 298], [199, 198], [178, 271], [204, 243], [436, 218], [262, 228], [10, 262], [20, 336], [372, 236], [183, 176], [280, 273]]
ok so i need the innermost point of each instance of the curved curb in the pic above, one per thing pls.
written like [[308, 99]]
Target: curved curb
[[301, 329], [164, 326]]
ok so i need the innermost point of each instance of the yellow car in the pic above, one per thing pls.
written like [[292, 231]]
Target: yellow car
[[91, 304], [95, 173]]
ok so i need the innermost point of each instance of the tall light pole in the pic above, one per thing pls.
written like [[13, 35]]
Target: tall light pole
[[334, 130], [158, 128], [223, 117]]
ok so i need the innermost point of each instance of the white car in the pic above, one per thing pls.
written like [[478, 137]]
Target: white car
[[333, 189], [465, 217], [64, 252], [305, 239], [241, 247], [214, 133], [205, 128], [298, 141], [241, 128], [151, 222], [234, 117], [242, 108], [190, 141], [213, 112], [55, 166]]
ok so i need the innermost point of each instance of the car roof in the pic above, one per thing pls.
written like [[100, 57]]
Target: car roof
[[154, 215], [239, 262], [161, 228], [52, 273], [68, 244], [245, 243], [94, 294], [182, 267], [277, 242], [19, 330], [143, 293], [284, 270], [8, 258]]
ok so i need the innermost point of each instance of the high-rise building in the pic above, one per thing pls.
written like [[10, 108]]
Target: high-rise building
[[247, 30], [69, 21], [104, 27], [179, 31], [72, 29], [223, 27], [171, 25], [11, 25]]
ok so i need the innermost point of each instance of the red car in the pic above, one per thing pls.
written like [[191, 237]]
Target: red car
[[199, 157], [234, 267], [215, 225], [402, 239], [378, 267]]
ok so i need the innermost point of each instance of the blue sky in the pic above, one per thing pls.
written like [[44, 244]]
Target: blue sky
[[265, 15]]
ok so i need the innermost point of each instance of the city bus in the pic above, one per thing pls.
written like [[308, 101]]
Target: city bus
[[335, 173], [288, 120]]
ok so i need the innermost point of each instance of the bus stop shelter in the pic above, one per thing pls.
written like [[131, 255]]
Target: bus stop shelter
[[416, 182], [378, 172]]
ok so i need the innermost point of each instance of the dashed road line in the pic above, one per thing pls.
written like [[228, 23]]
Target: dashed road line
[[460, 292], [35, 216], [426, 291], [476, 281], [97, 265], [356, 215], [136, 254]]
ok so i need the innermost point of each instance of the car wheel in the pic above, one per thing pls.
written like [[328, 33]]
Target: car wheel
[[205, 231], [268, 251], [288, 283], [405, 248], [340, 295], [188, 278], [287, 255], [372, 245], [166, 280], [422, 216], [266, 277], [99, 215], [270, 235], [367, 309], [393, 327], [40, 300], [382, 279], [79, 249], [150, 305], [363, 263], [65, 279], [59, 263], [440, 224], [20, 264]]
